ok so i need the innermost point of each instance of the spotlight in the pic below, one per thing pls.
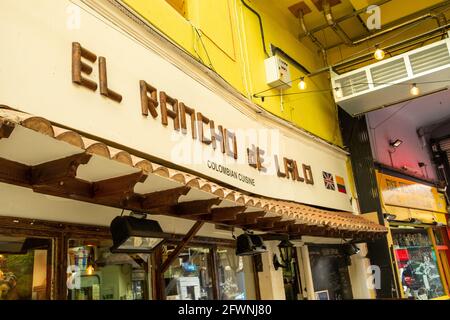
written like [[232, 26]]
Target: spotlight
[[135, 235], [395, 143], [414, 90], [390, 217], [302, 84], [351, 249], [415, 221], [379, 54], [249, 244]]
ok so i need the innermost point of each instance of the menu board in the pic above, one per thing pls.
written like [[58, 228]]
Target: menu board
[[405, 193]]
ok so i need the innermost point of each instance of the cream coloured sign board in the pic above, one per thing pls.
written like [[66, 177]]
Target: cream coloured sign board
[[127, 93]]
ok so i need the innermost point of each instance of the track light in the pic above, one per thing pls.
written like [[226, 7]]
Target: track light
[[415, 91], [379, 53], [302, 84]]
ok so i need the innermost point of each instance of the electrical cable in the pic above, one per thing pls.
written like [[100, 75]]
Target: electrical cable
[[257, 95]]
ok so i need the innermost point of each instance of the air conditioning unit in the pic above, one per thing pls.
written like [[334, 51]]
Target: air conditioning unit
[[378, 85], [277, 73]]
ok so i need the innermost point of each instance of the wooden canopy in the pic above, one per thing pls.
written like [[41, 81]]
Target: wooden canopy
[[49, 159]]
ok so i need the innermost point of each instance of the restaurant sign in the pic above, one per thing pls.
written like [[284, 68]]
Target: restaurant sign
[[409, 194], [99, 79]]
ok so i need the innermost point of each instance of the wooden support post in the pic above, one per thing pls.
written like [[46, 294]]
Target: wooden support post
[[170, 259]]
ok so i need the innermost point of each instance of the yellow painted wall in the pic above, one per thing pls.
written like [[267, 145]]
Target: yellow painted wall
[[230, 33]]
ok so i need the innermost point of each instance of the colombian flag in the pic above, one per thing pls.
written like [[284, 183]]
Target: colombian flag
[[340, 184]]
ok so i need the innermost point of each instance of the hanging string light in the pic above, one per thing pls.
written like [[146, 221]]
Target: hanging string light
[[415, 91], [379, 53], [302, 84]]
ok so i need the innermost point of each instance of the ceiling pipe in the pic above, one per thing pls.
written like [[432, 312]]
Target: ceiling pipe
[[346, 17], [329, 18], [347, 62], [439, 17], [301, 18]]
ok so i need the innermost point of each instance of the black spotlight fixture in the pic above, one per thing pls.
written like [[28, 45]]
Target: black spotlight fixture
[[135, 235], [286, 252], [249, 244], [351, 249]]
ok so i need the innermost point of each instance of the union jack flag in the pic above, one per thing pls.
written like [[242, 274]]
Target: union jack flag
[[328, 180]]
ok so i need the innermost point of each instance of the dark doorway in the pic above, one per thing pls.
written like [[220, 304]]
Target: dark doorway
[[329, 267]]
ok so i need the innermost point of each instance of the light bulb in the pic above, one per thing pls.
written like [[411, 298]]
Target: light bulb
[[414, 90], [379, 54], [90, 270], [302, 84]]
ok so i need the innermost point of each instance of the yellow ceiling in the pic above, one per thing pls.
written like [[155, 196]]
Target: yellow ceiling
[[391, 12]]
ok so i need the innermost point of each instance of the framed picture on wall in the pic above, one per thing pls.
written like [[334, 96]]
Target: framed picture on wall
[[322, 295]]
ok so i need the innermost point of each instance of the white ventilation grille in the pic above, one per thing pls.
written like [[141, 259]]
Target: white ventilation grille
[[353, 84], [429, 59], [389, 72], [386, 83]]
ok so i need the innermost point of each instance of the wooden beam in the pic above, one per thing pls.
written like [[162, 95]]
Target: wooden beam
[[120, 187], [14, 173], [193, 208], [163, 198], [226, 214], [281, 226], [265, 223], [247, 218], [6, 128], [59, 170], [170, 259]]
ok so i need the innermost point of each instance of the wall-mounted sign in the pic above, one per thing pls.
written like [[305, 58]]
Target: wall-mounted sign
[[405, 193], [101, 80]]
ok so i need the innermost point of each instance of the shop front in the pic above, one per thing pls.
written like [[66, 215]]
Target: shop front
[[416, 214], [145, 135]]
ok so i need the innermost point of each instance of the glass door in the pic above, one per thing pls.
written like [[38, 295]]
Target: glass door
[[94, 273], [417, 264], [189, 277]]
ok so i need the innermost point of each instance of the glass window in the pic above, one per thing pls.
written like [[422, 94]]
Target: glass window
[[231, 275], [417, 264], [25, 268], [438, 236], [94, 273], [189, 276]]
